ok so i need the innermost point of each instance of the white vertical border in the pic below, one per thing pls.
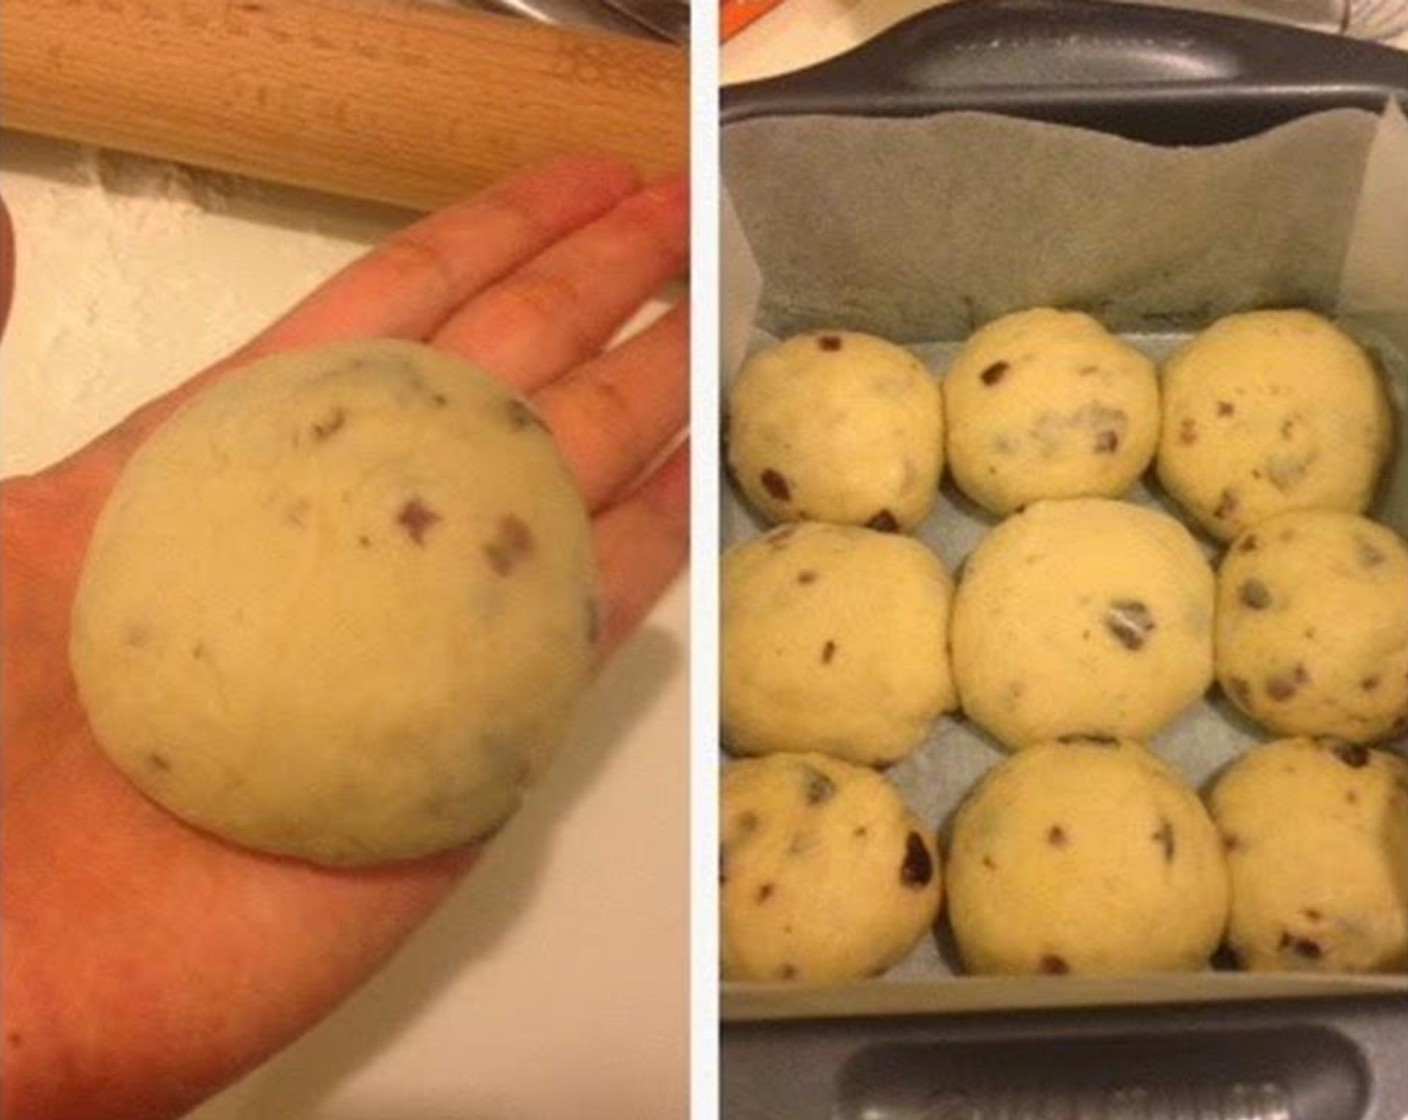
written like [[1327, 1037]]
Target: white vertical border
[[704, 558]]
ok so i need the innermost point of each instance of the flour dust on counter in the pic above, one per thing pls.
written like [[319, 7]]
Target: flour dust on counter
[[161, 269]]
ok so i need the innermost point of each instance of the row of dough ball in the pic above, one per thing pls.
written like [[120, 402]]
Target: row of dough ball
[[1262, 412], [1081, 617], [1071, 857]]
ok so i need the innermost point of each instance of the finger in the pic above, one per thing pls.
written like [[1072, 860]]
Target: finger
[[613, 416], [411, 283], [562, 307], [641, 545], [414, 281]]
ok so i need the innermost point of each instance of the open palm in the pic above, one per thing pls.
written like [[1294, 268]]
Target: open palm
[[145, 963]]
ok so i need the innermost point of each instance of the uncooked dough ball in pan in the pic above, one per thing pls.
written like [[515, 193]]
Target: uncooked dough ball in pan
[[837, 426]]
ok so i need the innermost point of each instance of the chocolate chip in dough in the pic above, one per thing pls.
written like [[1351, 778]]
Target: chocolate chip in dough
[[1056, 836], [828, 652], [1053, 965], [1226, 505], [1253, 594], [520, 416], [1303, 947], [994, 373], [330, 425], [511, 545], [1130, 622], [1352, 755], [1285, 686], [1163, 836], [776, 485], [416, 518], [918, 867], [829, 342], [883, 522], [819, 787]]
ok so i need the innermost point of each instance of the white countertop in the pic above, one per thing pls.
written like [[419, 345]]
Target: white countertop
[[554, 982]]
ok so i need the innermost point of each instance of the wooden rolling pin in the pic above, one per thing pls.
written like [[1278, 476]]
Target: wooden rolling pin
[[393, 101]]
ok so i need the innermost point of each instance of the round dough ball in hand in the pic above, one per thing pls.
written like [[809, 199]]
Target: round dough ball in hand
[[837, 426], [1082, 617], [833, 639], [1048, 404], [1085, 857], [340, 606], [1316, 834], [824, 873], [1312, 626], [1269, 411]]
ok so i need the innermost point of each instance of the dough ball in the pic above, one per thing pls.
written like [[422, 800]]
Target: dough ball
[[1312, 626], [1316, 835], [1269, 411], [824, 875], [1082, 617], [1048, 404], [833, 639], [837, 426], [1085, 857], [340, 606]]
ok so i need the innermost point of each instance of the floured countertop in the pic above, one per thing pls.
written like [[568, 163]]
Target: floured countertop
[[554, 981]]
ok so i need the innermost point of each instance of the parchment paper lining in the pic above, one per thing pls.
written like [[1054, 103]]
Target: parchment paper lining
[[917, 230]]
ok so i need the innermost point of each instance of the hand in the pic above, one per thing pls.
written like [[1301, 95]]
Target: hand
[[145, 963]]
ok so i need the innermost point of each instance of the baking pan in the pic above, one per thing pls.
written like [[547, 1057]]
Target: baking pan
[[1213, 1044], [1154, 74]]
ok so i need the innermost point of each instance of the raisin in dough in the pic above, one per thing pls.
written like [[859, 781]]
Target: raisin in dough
[[1269, 411], [1048, 404], [1316, 834], [340, 606], [1312, 626], [824, 873], [1083, 616], [833, 639], [1085, 857], [837, 426]]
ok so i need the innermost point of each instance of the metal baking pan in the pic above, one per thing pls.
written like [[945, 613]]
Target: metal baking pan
[[1303, 1060], [1155, 74], [1213, 1045]]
